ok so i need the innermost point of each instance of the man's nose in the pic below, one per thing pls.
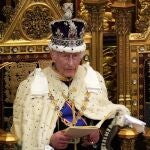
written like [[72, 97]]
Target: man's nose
[[70, 60]]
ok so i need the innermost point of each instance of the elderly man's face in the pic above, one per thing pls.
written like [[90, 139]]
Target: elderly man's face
[[66, 63]]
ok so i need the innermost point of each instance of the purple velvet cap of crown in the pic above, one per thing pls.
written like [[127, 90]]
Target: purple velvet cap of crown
[[67, 35]]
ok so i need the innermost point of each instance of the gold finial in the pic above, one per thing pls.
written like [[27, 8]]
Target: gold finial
[[7, 137], [128, 133], [83, 12]]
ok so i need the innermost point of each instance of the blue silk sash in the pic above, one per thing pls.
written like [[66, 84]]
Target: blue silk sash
[[67, 115]]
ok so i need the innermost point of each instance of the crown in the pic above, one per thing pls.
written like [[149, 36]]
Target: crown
[[67, 34]]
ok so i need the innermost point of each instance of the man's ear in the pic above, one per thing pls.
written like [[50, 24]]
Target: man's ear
[[53, 56]]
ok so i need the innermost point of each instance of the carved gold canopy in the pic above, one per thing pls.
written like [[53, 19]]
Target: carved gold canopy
[[28, 29]]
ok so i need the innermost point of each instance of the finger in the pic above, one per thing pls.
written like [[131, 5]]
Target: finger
[[64, 140], [68, 137], [62, 146]]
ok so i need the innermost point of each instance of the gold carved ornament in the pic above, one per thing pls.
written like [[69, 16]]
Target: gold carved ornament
[[35, 22]]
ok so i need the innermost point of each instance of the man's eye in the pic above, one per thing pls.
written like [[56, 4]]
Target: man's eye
[[77, 55], [65, 56]]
